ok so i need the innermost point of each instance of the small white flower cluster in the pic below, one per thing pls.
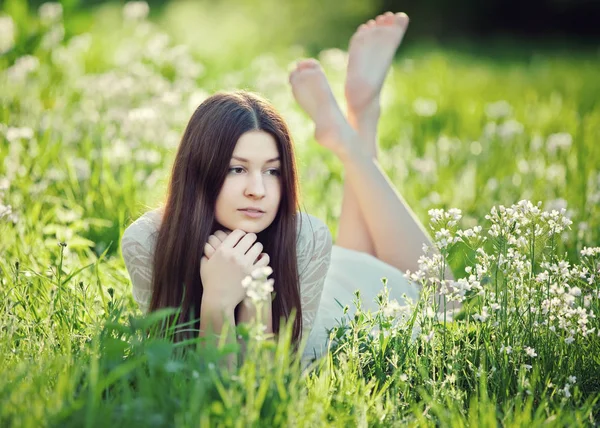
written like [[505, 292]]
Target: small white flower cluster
[[7, 34], [22, 68], [258, 287], [563, 304], [590, 252], [427, 338], [50, 13], [558, 141], [336, 59], [395, 310], [425, 107], [6, 210], [558, 299], [452, 216], [505, 131], [443, 224], [483, 316], [530, 352], [566, 390], [131, 104], [15, 135], [136, 10], [498, 109], [429, 270]]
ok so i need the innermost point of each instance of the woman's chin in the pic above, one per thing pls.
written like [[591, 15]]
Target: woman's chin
[[248, 227]]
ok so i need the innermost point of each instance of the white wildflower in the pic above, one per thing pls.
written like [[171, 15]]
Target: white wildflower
[[530, 351], [258, 287], [393, 309], [22, 67], [590, 252], [334, 58], [5, 210], [428, 337], [53, 37], [510, 129], [7, 34], [435, 214], [572, 379], [50, 12], [4, 184], [569, 340], [425, 166], [506, 349], [13, 135], [136, 10], [559, 141], [556, 173], [498, 109], [476, 148], [425, 107], [483, 316]]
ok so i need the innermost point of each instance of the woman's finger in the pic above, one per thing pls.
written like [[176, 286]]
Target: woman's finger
[[209, 250], [214, 241], [233, 238], [262, 261], [244, 244], [254, 252], [221, 235]]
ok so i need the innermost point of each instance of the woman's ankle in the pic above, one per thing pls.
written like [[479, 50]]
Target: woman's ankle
[[366, 127]]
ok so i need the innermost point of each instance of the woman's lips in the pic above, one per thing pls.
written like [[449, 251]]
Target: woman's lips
[[252, 213]]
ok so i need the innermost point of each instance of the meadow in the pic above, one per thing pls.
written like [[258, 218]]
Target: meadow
[[497, 152]]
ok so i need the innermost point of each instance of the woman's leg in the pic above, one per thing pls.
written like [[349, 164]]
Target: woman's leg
[[371, 51], [396, 233]]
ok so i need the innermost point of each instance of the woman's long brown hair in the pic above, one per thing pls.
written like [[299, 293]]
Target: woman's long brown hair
[[198, 173]]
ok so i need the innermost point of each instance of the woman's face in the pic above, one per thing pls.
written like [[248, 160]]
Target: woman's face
[[250, 196]]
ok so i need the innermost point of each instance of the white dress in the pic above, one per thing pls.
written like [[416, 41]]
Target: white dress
[[328, 275]]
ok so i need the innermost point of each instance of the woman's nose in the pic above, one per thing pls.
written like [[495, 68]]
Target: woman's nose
[[255, 186]]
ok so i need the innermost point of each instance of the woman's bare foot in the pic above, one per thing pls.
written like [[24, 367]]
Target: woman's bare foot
[[312, 91], [371, 52]]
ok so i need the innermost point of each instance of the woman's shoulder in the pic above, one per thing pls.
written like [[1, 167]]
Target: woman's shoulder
[[144, 229], [312, 232], [308, 224]]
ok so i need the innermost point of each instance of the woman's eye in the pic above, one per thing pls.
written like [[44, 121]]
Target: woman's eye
[[274, 171], [236, 170]]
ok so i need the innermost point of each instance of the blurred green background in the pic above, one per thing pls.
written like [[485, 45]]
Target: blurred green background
[[234, 27], [478, 110]]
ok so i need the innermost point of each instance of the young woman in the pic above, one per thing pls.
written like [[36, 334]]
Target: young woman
[[232, 205]]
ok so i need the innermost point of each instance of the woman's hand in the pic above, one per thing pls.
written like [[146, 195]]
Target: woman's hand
[[215, 240], [228, 259]]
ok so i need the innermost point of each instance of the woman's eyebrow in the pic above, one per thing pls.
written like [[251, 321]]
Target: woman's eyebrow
[[246, 160]]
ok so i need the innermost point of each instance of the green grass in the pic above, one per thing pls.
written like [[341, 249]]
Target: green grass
[[87, 140]]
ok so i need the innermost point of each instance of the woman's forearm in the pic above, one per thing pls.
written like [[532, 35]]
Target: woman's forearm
[[247, 314], [216, 320]]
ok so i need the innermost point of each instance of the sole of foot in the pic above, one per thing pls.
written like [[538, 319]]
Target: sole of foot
[[313, 93], [370, 55]]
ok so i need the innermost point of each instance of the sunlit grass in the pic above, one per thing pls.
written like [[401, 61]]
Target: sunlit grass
[[89, 125]]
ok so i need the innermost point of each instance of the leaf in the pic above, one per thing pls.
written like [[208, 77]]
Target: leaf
[[152, 319], [158, 352]]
